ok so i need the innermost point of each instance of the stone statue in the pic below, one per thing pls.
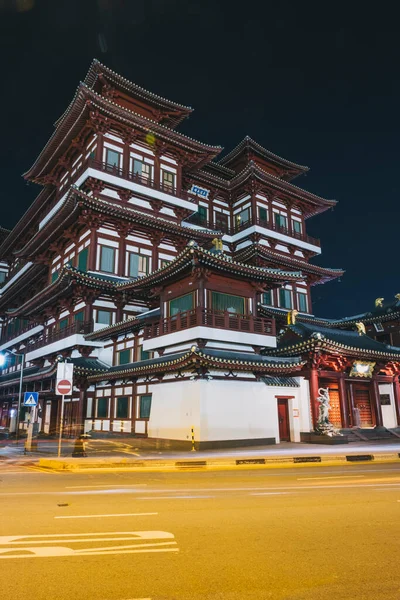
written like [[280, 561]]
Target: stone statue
[[324, 426]]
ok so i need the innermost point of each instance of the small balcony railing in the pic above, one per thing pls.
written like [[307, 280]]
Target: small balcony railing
[[196, 219], [54, 335], [210, 318], [127, 175], [10, 335]]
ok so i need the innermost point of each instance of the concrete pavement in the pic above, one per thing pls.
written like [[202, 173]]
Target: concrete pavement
[[248, 535]]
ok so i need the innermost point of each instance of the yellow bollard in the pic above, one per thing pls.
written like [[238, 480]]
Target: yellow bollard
[[193, 448]]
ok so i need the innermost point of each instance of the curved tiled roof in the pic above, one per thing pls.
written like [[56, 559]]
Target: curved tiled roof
[[217, 359], [248, 144], [351, 343], [77, 114], [193, 255], [325, 274], [129, 325]]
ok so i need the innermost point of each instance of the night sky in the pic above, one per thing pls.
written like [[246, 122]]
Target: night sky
[[316, 83]]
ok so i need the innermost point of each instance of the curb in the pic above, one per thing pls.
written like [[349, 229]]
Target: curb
[[77, 464]]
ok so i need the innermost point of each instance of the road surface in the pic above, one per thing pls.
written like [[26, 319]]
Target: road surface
[[293, 534]]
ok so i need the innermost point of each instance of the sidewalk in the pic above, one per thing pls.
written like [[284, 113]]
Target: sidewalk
[[280, 455]]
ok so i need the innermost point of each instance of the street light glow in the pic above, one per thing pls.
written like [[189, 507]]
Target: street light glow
[[3, 359]]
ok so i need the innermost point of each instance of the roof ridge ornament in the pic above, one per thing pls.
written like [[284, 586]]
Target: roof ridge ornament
[[291, 316], [379, 302], [360, 328]]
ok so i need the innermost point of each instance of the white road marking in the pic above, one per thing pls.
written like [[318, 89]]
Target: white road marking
[[172, 497], [269, 493], [330, 477], [102, 516], [105, 485], [10, 545]]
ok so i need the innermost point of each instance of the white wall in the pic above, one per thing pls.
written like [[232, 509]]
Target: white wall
[[223, 410], [175, 408], [388, 412]]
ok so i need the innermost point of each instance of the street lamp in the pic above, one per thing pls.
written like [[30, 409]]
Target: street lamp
[[3, 360]]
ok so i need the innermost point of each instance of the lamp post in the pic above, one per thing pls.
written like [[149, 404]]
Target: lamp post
[[3, 359]]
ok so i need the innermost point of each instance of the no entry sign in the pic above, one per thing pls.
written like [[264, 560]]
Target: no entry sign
[[65, 373], [64, 387]]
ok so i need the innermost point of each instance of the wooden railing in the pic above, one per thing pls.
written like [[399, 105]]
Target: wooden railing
[[125, 174], [6, 336], [197, 220], [54, 335], [209, 318]]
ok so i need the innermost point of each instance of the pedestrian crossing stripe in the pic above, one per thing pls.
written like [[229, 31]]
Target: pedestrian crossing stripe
[[31, 398]]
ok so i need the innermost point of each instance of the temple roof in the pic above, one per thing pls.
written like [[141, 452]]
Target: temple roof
[[76, 201], [76, 117], [249, 150], [128, 326], [172, 112], [193, 256], [323, 274], [304, 337], [196, 357], [387, 312], [310, 203], [82, 367]]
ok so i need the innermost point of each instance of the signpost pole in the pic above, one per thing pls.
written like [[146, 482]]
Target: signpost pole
[[19, 399], [61, 426]]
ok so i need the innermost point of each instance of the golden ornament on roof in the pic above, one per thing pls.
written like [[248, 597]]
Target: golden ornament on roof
[[291, 317], [397, 296], [361, 328], [379, 302]]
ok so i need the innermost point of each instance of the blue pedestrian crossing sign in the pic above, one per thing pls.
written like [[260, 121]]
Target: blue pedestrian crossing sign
[[31, 398]]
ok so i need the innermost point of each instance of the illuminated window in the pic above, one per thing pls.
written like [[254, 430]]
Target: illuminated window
[[139, 264]]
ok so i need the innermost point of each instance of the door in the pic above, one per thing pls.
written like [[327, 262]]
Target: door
[[335, 416], [283, 419], [362, 401]]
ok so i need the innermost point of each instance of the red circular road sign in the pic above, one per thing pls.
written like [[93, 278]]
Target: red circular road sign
[[64, 387]]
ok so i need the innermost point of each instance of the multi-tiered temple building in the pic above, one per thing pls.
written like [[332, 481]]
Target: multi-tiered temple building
[[160, 270]]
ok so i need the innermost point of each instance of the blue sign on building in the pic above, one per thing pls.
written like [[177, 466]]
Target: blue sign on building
[[31, 398], [199, 191]]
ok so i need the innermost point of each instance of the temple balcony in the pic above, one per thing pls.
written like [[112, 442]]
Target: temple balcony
[[56, 340], [206, 324], [132, 181], [268, 228]]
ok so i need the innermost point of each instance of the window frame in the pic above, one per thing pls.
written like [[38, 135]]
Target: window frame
[[84, 251], [117, 399], [290, 293], [110, 165], [243, 298], [145, 258], [263, 209], [178, 298], [141, 396], [102, 246], [126, 350], [103, 310], [304, 296], [107, 415], [165, 183], [300, 224]]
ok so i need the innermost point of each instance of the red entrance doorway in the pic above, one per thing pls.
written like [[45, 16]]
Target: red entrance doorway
[[362, 402], [283, 419]]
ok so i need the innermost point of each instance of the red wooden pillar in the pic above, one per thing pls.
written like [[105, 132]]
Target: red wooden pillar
[[314, 385], [99, 147], [92, 250], [376, 403], [396, 391], [343, 402]]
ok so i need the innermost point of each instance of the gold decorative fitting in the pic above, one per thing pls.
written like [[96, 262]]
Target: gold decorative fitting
[[379, 302], [360, 328], [362, 369]]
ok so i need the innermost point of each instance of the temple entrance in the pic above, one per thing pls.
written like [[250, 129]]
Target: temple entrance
[[335, 416], [283, 419], [362, 402]]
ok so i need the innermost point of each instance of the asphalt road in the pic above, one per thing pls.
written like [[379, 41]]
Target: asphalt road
[[298, 534]]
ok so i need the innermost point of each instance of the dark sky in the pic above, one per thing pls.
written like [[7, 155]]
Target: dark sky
[[314, 82]]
